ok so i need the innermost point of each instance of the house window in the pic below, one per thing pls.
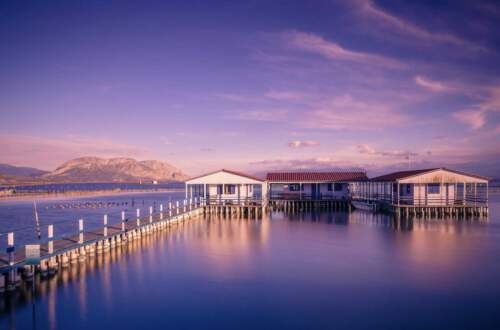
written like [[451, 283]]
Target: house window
[[433, 188], [408, 189], [229, 189], [330, 186], [219, 189], [294, 187], [338, 186]]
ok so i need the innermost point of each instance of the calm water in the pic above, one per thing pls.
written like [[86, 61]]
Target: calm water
[[313, 271]]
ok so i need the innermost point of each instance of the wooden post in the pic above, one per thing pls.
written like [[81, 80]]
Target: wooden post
[[123, 220], [50, 235], [80, 231], [105, 222], [10, 247], [398, 194], [465, 194]]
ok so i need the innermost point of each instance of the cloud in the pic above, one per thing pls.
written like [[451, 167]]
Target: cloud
[[367, 149], [476, 116], [346, 112], [302, 144], [304, 164], [270, 115], [48, 153], [285, 95], [369, 8], [473, 118], [433, 86], [315, 44]]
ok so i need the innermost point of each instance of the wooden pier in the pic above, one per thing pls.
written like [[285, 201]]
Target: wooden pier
[[72, 249]]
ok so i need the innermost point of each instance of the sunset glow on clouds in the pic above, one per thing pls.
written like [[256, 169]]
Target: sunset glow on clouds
[[379, 85]]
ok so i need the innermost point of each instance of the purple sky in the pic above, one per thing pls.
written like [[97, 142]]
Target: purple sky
[[256, 86]]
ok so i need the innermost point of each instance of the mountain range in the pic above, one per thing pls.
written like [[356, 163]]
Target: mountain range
[[95, 169]]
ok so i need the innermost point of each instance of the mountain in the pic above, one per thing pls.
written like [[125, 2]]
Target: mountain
[[10, 170], [94, 169]]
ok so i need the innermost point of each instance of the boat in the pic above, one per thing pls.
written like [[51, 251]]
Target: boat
[[365, 206]]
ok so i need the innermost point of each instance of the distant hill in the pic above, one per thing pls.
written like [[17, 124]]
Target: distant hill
[[7, 170], [94, 169]]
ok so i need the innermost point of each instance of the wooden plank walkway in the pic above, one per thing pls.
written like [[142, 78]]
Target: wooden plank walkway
[[72, 241]]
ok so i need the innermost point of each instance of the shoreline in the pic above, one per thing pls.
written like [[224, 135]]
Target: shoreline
[[83, 193]]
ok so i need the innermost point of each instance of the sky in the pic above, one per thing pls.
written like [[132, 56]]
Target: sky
[[252, 85]]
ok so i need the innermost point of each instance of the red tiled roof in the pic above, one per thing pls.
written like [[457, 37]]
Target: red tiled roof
[[400, 175], [228, 171], [315, 176], [406, 174]]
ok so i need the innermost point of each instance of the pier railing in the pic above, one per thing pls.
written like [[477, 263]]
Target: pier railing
[[221, 201], [430, 200], [14, 255], [306, 197]]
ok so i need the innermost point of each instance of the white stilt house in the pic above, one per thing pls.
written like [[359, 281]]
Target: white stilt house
[[227, 187], [426, 188]]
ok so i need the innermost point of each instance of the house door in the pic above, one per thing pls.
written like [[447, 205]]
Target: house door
[[314, 190]]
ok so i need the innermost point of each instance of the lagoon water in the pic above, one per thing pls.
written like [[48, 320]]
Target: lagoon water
[[286, 271]]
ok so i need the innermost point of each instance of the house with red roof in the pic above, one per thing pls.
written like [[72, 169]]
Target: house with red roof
[[312, 186], [432, 187], [227, 187]]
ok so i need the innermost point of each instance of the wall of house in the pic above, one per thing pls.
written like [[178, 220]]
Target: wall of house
[[212, 189], [446, 195], [279, 189]]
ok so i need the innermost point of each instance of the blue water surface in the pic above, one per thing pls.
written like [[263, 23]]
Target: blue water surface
[[285, 271]]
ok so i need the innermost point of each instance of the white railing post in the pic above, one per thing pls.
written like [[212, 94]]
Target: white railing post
[[138, 214], [80, 231], [177, 207], [10, 247], [150, 214], [50, 235], [123, 220], [105, 220], [184, 205], [161, 211], [170, 209]]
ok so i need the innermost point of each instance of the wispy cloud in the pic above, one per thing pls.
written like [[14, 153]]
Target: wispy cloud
[[433, 86], [270, 115], [47, 153], [302, 144], [476, 116], [328, 49], [285, 95], [369, 150], [346, 112], [303, 164], [370, 9]]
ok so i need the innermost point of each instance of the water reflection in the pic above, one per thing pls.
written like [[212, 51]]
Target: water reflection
[[347, 261]]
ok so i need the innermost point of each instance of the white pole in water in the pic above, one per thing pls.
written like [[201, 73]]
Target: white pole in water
[[150, 214], [50, 235], [10, 247], [161, 211], [138, 213], [123, 220], [80, 231], [105, 222]]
